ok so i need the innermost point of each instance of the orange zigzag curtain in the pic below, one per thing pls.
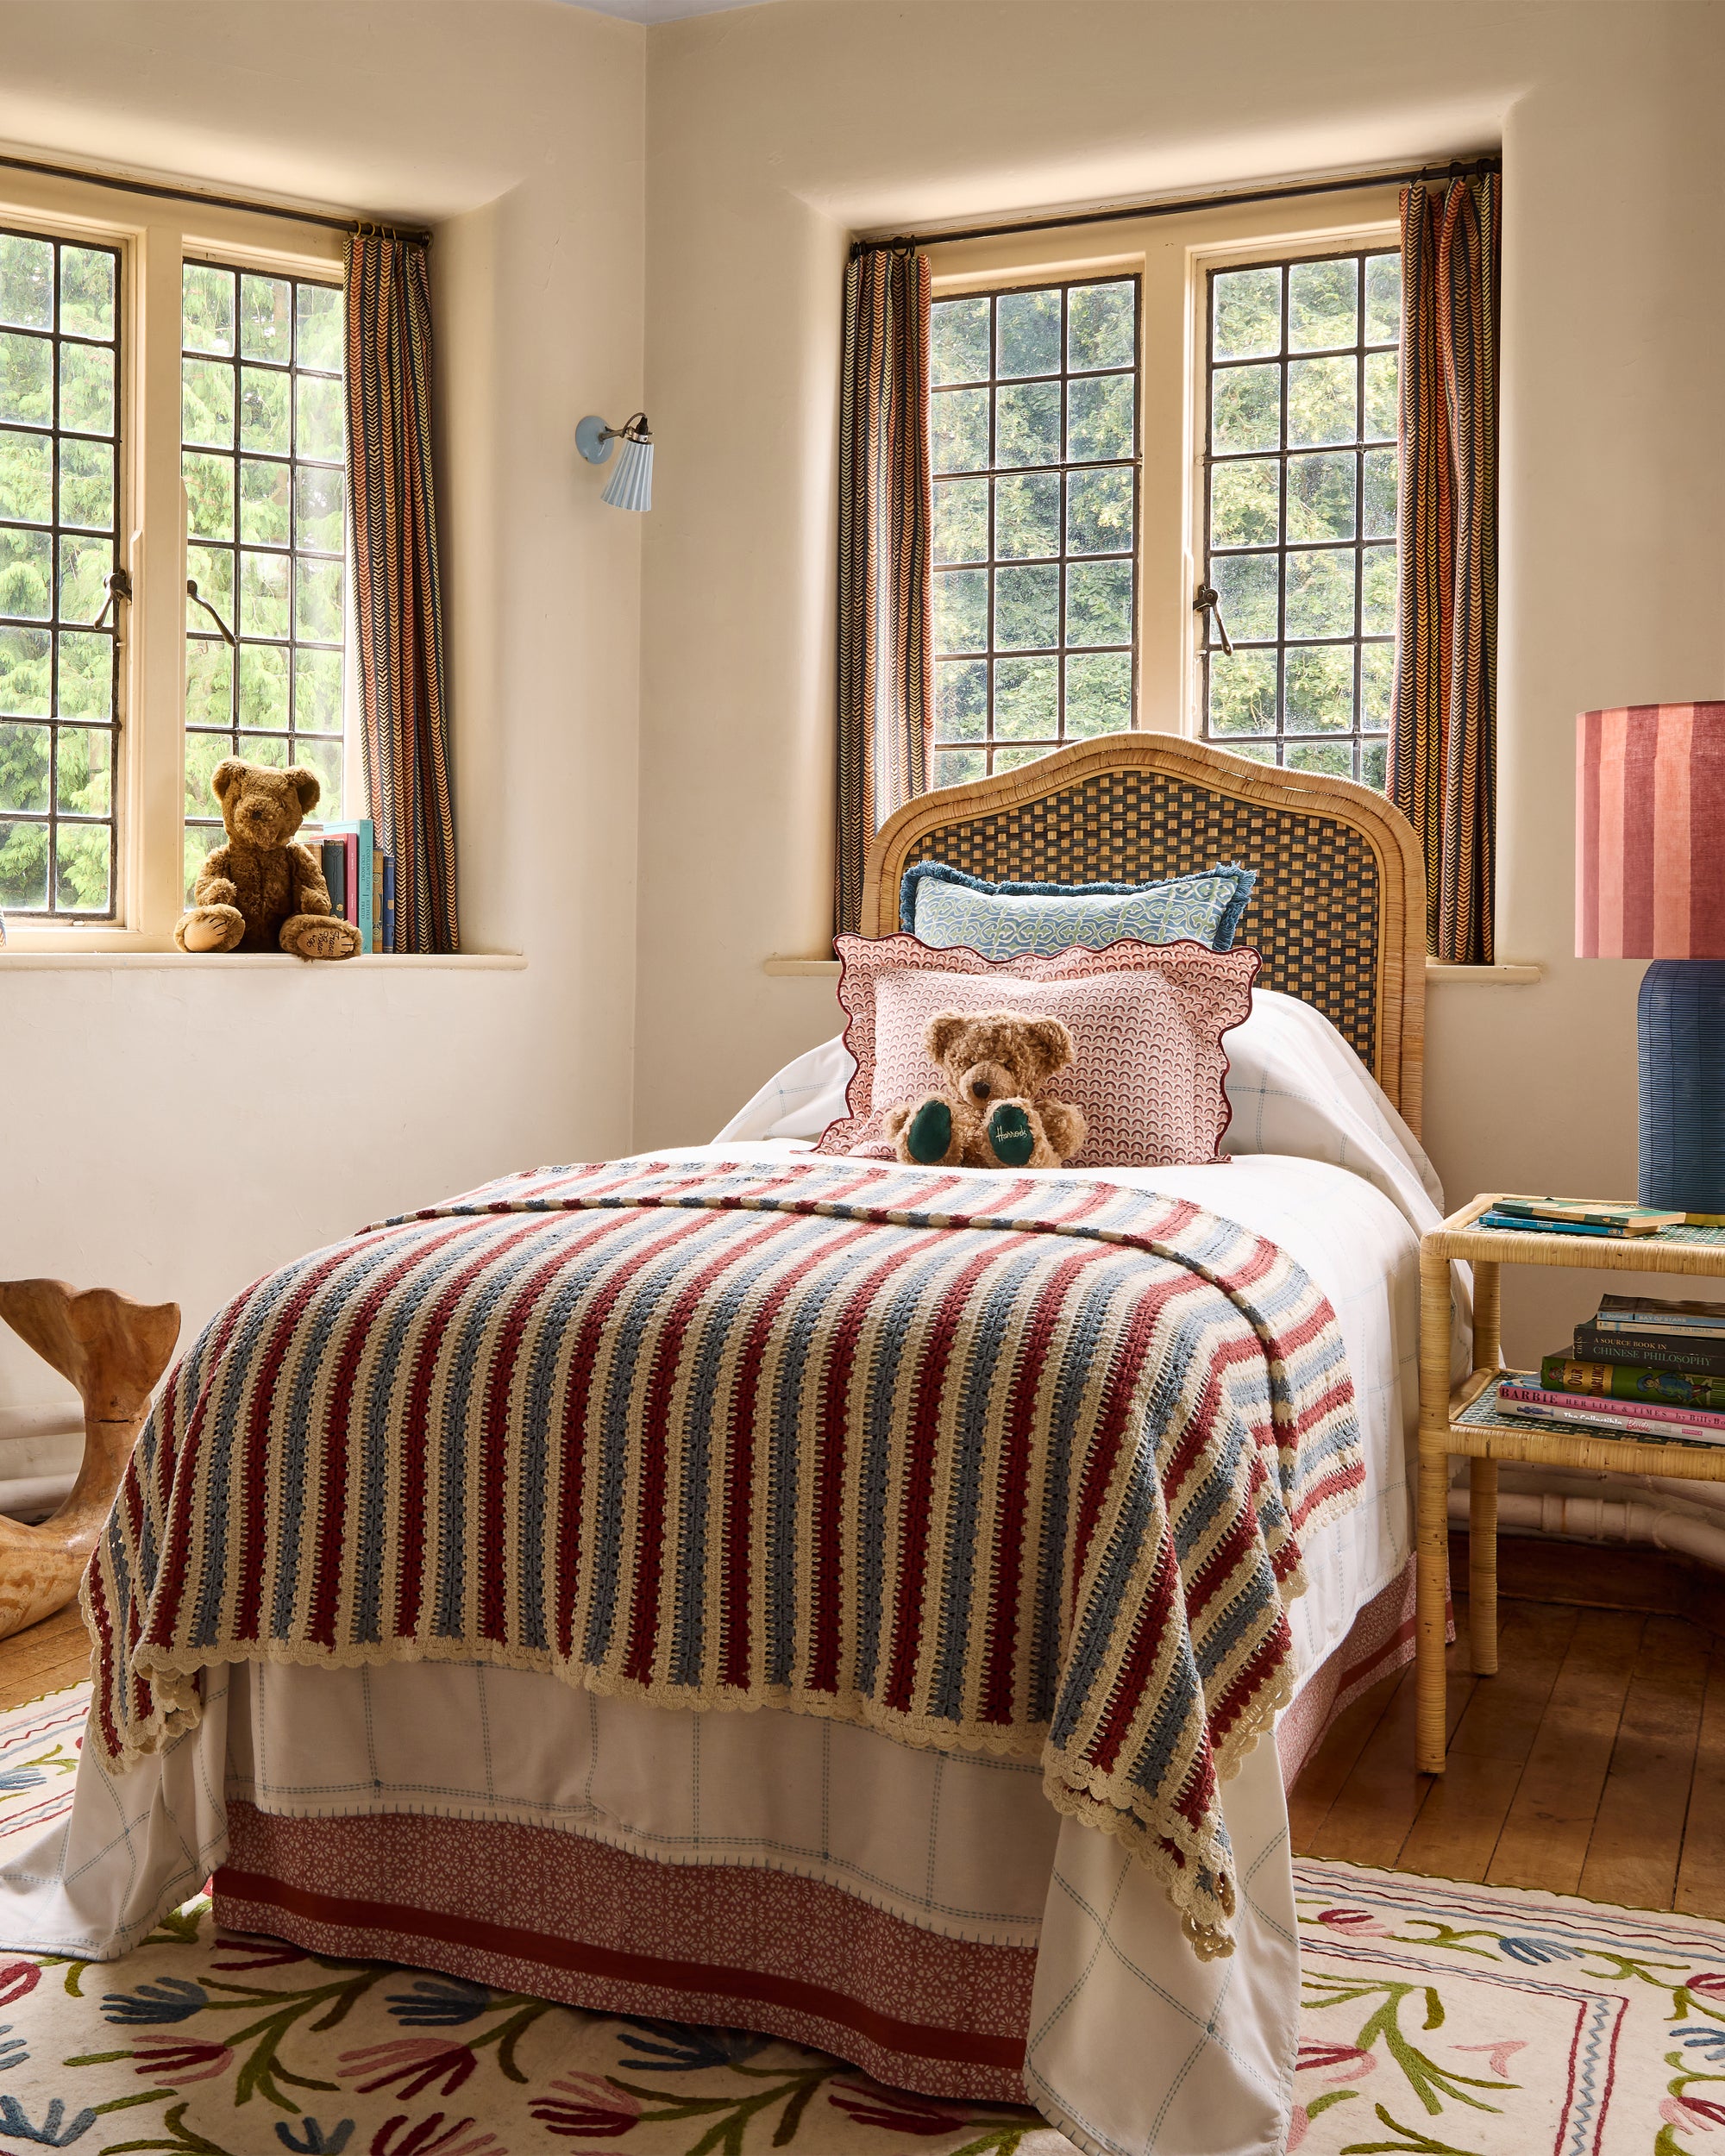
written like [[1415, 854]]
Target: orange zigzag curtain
[[884, 624], [1444, 719], [397, 589]]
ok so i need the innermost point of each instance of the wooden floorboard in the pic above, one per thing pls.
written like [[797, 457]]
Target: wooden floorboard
[[1701, 1875], [1592, 1762], [1633, 1851], [1545, 1837], [46, 1658]]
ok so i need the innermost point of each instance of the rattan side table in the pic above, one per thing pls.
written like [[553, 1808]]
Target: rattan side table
[[1466, 1421]]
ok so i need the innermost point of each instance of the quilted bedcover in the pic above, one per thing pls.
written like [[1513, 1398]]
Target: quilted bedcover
[[1012, 1464]]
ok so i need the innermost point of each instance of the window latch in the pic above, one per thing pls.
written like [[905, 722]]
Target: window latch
[[1208, 600], [191, 592], [118, 585]]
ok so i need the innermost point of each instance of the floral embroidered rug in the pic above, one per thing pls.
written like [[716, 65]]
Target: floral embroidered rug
[[1439, 2020]]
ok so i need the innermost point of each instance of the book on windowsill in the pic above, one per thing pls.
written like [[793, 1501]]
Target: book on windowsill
[[1689, 1351], [1590, 1213], [1654, 1313], [1632, 1381], [358, 843], [1520, 1397]]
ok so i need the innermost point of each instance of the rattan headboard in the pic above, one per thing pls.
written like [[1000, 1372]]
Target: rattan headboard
[[1340, 911]]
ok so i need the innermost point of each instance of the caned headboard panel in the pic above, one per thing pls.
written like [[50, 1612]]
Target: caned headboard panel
[[1338, 914]]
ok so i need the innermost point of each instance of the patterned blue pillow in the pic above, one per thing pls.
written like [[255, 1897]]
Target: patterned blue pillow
[[945, 908]]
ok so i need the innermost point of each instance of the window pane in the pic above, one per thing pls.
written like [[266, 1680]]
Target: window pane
[[1033, 555], [268, 531], [958, 341], [1245, 504], [1098, 603], [1099, 422], [27, 281], [1028, 516], [1296, 475], [959, 429], [1027, 333], [961, 610], [1027, 607], [960, 700], [1027, 699], [961, 520], [1102, 325], [1321, 594], [58, 501], [1247, 313], [1320, 497], [1321, 402], [206, 309], [1246, 410], [26, 379], [1028, 417], [1382, 298], [1323, 306], [1242, 694], [87, 292]]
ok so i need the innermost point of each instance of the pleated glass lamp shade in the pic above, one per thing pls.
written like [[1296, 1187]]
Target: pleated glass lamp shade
[[630, 486]]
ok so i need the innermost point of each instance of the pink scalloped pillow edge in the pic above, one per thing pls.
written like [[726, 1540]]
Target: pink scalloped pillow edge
[[1168, 1104]]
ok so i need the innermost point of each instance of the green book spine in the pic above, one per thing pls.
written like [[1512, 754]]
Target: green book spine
[[1632, 1381]]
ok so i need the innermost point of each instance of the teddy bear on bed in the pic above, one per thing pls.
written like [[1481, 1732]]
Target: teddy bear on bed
[[987, 1115], [260, 892]]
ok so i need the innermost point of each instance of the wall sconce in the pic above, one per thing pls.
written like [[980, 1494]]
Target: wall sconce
[[632, 483]]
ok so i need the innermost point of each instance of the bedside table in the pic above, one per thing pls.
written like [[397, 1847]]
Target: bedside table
[[1466, 1421]]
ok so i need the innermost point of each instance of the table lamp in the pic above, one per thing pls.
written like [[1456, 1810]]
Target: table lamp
[[1650, 883]]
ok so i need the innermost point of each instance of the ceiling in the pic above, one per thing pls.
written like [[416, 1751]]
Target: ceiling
[[663, 10]]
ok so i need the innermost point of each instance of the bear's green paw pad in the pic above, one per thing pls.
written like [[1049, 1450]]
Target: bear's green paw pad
[[929, 1132], [1010, 1136]]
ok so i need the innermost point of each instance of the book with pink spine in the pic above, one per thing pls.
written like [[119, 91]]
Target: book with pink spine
[[1522, 1395]]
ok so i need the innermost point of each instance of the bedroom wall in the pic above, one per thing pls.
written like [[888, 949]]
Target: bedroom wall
[[774, 132], [174, 1132]]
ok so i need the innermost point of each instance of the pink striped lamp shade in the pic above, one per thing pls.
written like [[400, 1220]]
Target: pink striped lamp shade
[[1650, 832]]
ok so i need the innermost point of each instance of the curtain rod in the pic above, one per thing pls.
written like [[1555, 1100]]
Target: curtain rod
[[162, 193], [1457, 168]]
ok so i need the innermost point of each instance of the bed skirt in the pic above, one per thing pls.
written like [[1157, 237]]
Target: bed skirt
[[564, 1917]]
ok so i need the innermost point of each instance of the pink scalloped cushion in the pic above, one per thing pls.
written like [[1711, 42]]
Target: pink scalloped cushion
[[1146, 1021]]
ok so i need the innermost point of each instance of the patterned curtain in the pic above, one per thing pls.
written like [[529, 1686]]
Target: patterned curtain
[[1444, 722], [885, 628], [396, 582]]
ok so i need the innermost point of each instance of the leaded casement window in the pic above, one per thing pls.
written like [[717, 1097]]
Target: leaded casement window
[[61, 388], [1300, 483], [263, 459], [1033, 423]]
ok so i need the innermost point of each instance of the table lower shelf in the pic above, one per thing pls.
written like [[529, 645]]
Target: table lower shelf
[[1479, 1428]]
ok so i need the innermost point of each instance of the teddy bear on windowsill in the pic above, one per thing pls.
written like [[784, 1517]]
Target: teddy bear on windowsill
[[994, 1062], [260, 892]]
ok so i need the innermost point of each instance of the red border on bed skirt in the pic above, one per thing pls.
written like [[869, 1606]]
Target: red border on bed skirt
[[359, 1888]]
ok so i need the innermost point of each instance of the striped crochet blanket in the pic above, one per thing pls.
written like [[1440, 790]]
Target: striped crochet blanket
[[977, 1460]]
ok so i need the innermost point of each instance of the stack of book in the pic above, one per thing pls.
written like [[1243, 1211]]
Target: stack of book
[[362, 881], [1643, 1367], [1579, 1216]]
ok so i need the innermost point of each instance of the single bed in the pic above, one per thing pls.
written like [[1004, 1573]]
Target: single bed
[[922, 1911]]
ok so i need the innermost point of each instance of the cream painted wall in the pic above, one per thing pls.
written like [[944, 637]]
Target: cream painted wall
[[173, 1132], [775, 132]]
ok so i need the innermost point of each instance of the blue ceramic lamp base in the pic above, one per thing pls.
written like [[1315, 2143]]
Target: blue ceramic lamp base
[[1682, 1025]]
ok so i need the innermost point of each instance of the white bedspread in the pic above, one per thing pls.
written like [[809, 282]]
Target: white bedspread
[[1135, 2046]]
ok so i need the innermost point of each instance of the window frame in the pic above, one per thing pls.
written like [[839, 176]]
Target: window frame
[[992, 746], [1206, 262], [154, 238], [1171, 255]]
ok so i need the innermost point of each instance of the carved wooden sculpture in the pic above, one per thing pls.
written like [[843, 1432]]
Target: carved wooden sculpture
[[113, 1350]]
